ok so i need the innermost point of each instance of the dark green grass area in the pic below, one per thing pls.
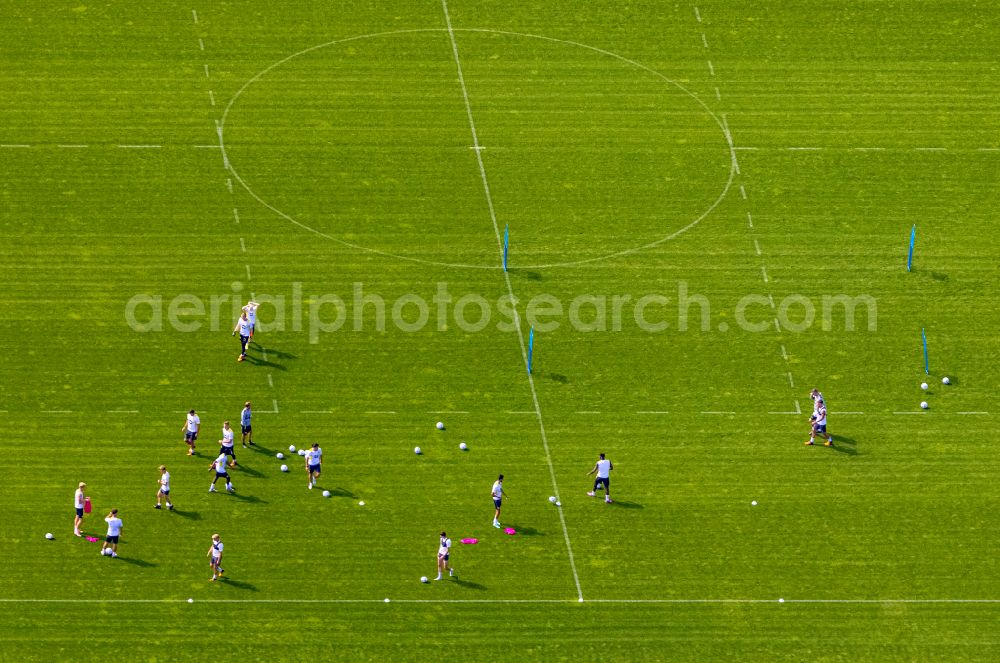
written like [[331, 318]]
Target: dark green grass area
[[353, 195]]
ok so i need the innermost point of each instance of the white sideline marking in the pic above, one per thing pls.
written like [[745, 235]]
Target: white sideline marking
[[243, 246], [697, 14], [229, 184], [236, 215], [194, 15], [749, 220], [510, 291], [711, 69], [222, 146], [791, 382], [206, 71], [743, 192], [140, 147], [784, 353], [201, 43], [763, 271], [248, 272], [13, 145], [73, 146], [270, 381], [756, 246]]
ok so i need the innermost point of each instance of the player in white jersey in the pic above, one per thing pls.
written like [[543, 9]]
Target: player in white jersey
[[603, 469], [164, 488], [190, 429], [251, 310], [78, 502], [110, 545], [245, 428], [245, 328], [227, 444], [219, 466], [444, 554], [314, 459], [215, 558], [498, 493], [817, 424]]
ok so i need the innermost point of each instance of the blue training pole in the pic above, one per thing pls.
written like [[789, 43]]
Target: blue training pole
[[505, 228], [531, 346], [913, 241], [927, 363]]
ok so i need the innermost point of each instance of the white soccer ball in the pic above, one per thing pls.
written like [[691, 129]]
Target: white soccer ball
[[754, 503], [423, 579], [924, 405], [416, 450], [284, 468], [361, 503], [49, 536], [946, 380], [553, 499], [924, 386], [280, 455], [291, 448], [326, 493], [558, 503], [463, 446], [302, 452], [190, 600], [440, 425]]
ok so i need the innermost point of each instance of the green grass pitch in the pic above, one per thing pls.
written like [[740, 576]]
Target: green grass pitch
[[193, 155]]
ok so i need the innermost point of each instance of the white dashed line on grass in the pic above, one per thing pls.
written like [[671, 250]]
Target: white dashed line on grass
[[270, 381], [930, 149], [236, 215], [973, 413], [798, 408], [718, 95], [743, 192], [206, 70], [763, 271], [652, 412], [777, 326], [770, 300], [791, 380], [803, 149], [381, 412], [784, 353], [243, 245], [14, 145], [274, 404], [72, 146], [711, 69], [229, 184], [749, 220], [697, 14], [201, 43], [248, 272], [756, 246], [717, 412], [704, 41], [140, 147], [587, 412], [194, 16]]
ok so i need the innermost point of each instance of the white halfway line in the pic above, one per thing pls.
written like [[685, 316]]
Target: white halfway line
[[510, 291]]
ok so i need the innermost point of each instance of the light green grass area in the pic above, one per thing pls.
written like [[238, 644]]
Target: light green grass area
[[700, 154]]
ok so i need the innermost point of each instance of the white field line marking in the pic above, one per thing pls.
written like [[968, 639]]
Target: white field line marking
[[514, 601], [274, 403], [73, 146], [711, 69], [973, 413], [697, 14], [652, 412], [717, 412], [206, 70], [845, 413], [587, 412], [519, 412], [930, 149], [201, 43], [784, 353], [222, 146], [381, 412], [791, 382], [763, 271], [909, 412], [777, 326], [870, 149], [211, 97], [57, 411], [229, 184], [718, 95], [770, 300], [263, 351], [988, 149], [243, 245], [206, 147], [743, 192], [798, 408], [140, 147], [449, 412], [194, 16], [749, 220], [236, 215], [803, 149], [756, 246], [248, 272], [704, 41], [270, 381], [13, 145], [510, 291], [123, 412], [790, 412], [747, 149]]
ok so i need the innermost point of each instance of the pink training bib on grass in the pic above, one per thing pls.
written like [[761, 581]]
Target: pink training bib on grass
[[470, 540], [510, 530], [92, 539]]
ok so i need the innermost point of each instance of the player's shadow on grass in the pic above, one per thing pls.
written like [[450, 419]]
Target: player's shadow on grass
[[253, 499], [260, 361], [278, 353], [526, 274], [249, 471], [239, 584], [555, 377], [137, 562], [190, 515], [624, 504], [527, 531], [341, 492], [845, 445], [469, 585]]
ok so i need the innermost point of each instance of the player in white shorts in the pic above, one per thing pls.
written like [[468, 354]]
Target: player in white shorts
[[164, 489], [227, 445], [219, 465], [190, 429], [251, 310], [817, 423], [215, 558], [444, 554], [78, 502], [314, 460], [245, 328], [603, 469], [110, 545]]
